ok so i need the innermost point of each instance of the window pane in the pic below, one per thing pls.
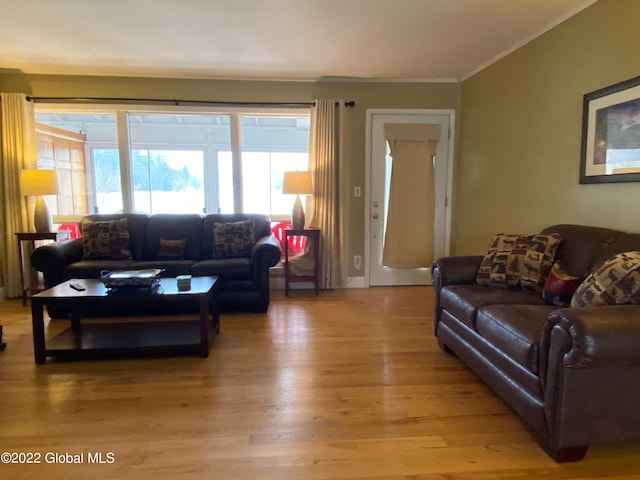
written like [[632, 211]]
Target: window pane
[[171, 155], [108, 189], [256, 182], [225, 183], [270, 147], [69, 143], [168, 181]]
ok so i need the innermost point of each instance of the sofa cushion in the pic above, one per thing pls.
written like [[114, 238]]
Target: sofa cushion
[[233, 239], [94, 268], [616, 282], [518, 261], [106, 240], [514, 330], [172, 226], [227, 268], [581, 245], [626, 243], [560, 286], [171, 249], [463, 301]]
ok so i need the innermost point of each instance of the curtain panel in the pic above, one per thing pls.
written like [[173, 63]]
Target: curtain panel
[[327, 206], [409, 234], [18, 150]]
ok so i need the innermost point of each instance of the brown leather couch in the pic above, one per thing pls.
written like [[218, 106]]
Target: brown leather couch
[[571, 374], [244, 280]]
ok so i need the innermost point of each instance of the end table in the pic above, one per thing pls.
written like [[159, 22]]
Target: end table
[[33, 237], [314, 235]]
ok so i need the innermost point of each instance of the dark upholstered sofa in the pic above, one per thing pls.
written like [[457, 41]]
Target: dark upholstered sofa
[[180, 244], [571, 374]]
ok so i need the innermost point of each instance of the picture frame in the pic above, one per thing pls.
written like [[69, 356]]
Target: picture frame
[[610, 150]]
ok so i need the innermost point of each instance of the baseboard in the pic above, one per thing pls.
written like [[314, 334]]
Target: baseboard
[[356, 282]]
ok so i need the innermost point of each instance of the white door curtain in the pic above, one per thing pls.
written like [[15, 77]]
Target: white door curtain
[[409, 239]]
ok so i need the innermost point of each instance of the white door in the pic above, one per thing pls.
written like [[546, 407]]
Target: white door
[[378, 177]]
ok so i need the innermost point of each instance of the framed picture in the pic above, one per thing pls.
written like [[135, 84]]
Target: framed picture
[[611, 134]]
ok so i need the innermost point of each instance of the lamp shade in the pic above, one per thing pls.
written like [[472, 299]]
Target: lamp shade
[[39, 182], [297, 183]]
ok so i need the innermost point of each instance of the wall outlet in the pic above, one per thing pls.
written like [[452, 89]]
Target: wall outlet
[[357, 262], [357, 191]]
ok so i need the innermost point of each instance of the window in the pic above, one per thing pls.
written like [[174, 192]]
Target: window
[[173, 162]]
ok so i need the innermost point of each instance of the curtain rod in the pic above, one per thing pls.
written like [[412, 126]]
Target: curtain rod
[[172, 101]]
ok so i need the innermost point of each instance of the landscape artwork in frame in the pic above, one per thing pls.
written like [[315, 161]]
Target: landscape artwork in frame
[[611, 134]]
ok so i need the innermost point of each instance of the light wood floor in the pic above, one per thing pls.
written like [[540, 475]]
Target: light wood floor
[[347, 385]]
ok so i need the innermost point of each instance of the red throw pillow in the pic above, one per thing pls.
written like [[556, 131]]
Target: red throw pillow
[[560, 286]]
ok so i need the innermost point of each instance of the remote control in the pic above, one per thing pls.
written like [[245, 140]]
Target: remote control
[[77, 286]]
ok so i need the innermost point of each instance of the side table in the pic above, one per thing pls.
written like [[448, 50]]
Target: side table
[[32, 238], [314, 235]]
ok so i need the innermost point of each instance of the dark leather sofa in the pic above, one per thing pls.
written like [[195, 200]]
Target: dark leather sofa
[[244, 280], [571, 374]]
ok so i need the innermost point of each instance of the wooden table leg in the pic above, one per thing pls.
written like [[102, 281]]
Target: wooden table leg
[[22, 286], [76, 327], [37, 320], [204, 325]]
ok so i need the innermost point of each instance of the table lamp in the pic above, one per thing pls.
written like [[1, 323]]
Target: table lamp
[[297, 183], [39, 183]]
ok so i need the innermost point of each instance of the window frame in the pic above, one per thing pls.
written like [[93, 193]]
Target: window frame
[[211, 151]]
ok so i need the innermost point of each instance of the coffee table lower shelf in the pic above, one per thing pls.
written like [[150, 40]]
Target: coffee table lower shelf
[[128, 339]]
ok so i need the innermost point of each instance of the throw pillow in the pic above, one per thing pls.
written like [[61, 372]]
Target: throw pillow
[[616, 282], [106, 240], [560, 286], [233, 239], [518, 261], [172, 249]]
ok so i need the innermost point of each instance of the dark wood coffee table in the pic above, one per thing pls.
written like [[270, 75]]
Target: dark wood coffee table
[[129, 338]]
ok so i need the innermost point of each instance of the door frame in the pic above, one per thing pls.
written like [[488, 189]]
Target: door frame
[[368, 162]]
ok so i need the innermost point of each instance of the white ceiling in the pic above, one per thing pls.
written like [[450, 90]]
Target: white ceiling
[[271, 39]]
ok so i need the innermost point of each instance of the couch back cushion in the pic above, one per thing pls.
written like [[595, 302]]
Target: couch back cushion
[[136, 226], [262, 228], [629, 242], [165, 231], [581, 246]]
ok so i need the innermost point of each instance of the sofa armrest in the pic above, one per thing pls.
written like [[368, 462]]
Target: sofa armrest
[[593, 337], [51, 258], [455, 270], [266, 251], [589, 366]]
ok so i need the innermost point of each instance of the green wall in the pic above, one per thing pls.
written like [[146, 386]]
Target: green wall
[[521, 120], [365, 94]]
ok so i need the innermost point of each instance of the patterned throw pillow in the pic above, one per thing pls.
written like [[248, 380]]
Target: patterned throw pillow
[[616, 282], [233, 239], [106, 240], [518, 261], [172, 249], [560, 286]]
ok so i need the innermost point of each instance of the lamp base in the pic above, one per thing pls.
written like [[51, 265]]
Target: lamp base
[[297, 214], [42, 217]]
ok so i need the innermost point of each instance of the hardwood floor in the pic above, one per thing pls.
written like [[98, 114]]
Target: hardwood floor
[[345, 385]]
